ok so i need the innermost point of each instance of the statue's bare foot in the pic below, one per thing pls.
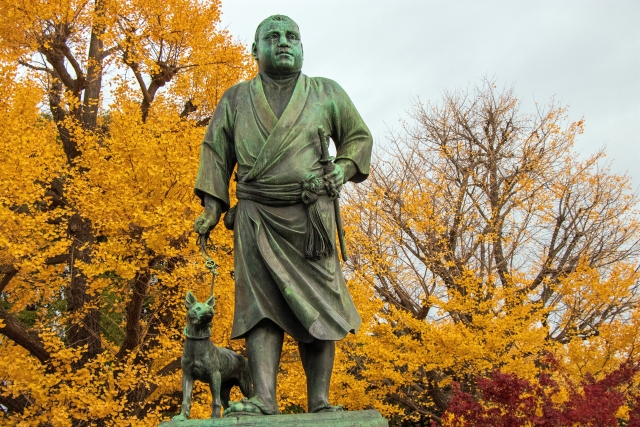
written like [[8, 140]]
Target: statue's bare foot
[[250, 407], [325, 407]]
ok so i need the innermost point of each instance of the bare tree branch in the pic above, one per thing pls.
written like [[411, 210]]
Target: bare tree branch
[[35, 67]]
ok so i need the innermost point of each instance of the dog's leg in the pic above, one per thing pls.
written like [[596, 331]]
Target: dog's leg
[[214, 385], [225, 393], [187, 388]]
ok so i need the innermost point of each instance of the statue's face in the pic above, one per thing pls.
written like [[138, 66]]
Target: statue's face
[[279, 49]]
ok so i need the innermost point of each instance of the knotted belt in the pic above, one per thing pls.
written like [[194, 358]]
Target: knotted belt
[[317, 240]]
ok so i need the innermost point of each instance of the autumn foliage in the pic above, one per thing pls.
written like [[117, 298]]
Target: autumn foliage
[[496, 271], [507, 400], [103, 105], [491, 244]]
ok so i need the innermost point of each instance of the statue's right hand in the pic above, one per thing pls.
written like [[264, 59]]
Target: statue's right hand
[[208, 219]]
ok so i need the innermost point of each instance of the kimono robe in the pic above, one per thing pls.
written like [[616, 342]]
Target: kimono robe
[[306, 298]]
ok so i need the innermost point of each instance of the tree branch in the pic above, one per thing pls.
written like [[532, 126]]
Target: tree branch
[[25, 338], [9, 272], [188, 109], [145, 390], [136, 72], [14, 404], [56, 59], [408, 403], [59, 115], [79, 80], [133, 333], [35, 67], [110, 51], [58, 259]]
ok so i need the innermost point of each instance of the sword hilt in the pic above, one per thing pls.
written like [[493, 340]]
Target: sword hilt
[[325, 158]]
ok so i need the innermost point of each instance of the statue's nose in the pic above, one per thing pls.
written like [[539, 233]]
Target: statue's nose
[[284, 41]]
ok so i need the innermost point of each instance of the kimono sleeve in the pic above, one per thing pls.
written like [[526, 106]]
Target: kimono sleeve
[[350, 133], [217, 155]]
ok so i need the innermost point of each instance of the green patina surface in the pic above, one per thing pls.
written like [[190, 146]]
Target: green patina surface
[[273, 132], [368, 418], [267, 128]]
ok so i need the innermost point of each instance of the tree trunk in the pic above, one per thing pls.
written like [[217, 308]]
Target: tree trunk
[[84, 328]]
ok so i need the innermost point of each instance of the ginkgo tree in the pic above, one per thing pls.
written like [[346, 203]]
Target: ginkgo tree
[[480, 246], [103, 106], [492, 244]]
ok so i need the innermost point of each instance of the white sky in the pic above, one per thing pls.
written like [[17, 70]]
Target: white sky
[[386, 53]]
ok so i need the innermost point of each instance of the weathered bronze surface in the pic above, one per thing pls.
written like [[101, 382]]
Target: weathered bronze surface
[[203, 361], [332, 419], [287, 271]]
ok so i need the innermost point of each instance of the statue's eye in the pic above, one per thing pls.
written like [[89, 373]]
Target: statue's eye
[[292, 37], [197, 308]]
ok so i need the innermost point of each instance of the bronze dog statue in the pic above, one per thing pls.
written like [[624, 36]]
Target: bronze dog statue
[[203, 361]]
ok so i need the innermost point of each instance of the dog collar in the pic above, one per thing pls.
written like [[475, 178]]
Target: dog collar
[[200, 337]]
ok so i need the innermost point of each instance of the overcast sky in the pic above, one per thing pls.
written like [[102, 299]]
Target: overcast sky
[[584, 53]]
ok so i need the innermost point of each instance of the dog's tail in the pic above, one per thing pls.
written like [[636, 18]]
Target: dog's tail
[[246, 384]]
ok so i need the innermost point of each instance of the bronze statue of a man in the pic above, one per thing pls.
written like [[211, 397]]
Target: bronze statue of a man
[[268, 128]]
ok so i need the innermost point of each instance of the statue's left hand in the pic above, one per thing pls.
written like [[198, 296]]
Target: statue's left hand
[[336, 177], [343, 171]]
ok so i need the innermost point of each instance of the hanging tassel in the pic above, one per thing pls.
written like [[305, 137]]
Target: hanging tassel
[[317, 242]]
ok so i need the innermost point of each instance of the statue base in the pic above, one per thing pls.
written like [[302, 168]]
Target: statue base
[[369, 418]]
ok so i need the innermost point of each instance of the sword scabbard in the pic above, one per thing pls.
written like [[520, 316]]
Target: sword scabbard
[[327, 165]]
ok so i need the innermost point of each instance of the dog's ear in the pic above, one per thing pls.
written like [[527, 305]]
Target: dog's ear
[[211, 302], [190, 300]]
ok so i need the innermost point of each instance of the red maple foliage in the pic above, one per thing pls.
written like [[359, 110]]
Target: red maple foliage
[[508, 401]]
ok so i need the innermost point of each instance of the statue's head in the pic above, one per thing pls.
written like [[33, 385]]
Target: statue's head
[[277, 46]]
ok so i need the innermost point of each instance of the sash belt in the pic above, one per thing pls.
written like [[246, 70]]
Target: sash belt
[[317, 242]]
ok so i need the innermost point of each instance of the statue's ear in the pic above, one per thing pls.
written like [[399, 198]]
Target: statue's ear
[[254, 51], [190, 300], [211, 302]]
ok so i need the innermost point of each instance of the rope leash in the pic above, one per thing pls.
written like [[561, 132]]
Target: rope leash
[[209, 262]]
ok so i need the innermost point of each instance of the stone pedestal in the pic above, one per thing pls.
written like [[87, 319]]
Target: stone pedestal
[[368, 418]]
